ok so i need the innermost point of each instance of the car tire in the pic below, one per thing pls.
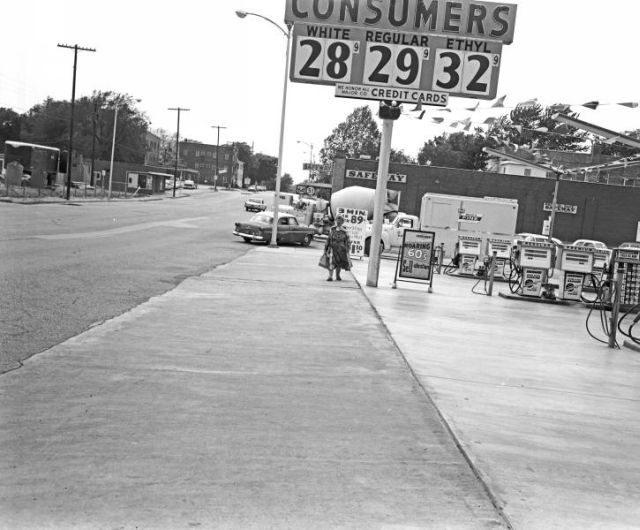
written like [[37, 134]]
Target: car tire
[[307, 240], [247, 239]]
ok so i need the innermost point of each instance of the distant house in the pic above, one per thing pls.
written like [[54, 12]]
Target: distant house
[[583, 167]]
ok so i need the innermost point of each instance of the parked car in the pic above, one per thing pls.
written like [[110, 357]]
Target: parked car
[[189, 185], [259, 228], [630, 244], [538, 238], [252, 188], [255, 205], [81, 185], [602, 253]]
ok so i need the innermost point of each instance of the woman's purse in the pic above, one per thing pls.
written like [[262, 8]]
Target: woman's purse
[[324, 261]]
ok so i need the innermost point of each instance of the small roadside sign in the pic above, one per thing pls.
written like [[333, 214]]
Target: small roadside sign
[[415, 259], [355, 223]]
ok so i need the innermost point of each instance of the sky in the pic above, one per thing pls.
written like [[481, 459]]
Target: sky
[[229, 71]]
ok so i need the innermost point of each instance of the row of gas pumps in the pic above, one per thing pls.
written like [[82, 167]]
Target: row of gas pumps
[[536, 269], [555, 273]]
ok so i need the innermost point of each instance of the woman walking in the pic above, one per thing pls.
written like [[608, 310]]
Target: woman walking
[[337, 249]]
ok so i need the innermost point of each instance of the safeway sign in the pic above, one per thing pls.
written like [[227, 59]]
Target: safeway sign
[[422, 49]]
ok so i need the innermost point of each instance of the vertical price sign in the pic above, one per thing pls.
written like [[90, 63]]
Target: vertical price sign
[[355, 223], [416, 256]]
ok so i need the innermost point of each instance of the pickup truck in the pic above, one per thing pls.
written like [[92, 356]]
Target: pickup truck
[[392, 232], [255, 205]]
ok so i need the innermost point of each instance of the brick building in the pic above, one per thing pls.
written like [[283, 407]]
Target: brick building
[[604, 212], [204, 158]]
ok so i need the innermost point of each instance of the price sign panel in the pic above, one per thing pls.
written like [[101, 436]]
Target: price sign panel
[[355, 223], [416, 255], [406, 67], [419, 53]]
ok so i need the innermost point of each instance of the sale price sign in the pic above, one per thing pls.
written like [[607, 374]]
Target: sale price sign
[[416, 255], [355, 222]]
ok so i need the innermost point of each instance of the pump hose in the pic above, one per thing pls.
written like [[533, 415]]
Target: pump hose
[[515, 277]]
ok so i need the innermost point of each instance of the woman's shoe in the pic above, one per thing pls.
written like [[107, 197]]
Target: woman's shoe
[[329, 279], [338, 279]]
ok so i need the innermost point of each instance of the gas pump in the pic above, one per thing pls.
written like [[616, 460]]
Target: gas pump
[[469, 248], [627, 262], [575, 264], [534, 259], [600, 261], [502, 248]]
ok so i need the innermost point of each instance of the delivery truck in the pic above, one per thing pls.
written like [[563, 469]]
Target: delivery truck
[[450, 217]]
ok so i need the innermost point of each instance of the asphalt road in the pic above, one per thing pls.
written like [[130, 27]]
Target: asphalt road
[[68, 266]]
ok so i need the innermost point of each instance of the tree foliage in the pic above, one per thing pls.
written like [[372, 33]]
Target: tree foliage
[[357, 135], [458, 150], [48, 123], [10, 123], [534, 126]]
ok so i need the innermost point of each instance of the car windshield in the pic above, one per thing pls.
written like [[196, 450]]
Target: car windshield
[[262, 218]]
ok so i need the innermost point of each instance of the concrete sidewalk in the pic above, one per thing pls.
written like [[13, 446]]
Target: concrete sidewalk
[[549, 417], [257, 395]]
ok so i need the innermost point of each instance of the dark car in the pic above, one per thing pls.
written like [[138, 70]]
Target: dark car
[[259, 228], [255, 205]]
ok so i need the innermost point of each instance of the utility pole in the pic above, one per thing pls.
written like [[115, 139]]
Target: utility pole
[[75, 49], [93, 140], [175, 175], [215, 179]]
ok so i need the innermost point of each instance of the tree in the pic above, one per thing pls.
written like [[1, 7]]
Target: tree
[[286, 183], [357, 135], [266, 170], [48, 123], [535, 127], [617, 149], [10, 123], [458, 150], [400, 157]]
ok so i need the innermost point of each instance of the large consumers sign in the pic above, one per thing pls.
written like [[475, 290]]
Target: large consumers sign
[[420, 50]]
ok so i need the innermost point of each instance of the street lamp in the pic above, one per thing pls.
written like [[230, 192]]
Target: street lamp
[[311, 170], [287, 34], [113, 148]]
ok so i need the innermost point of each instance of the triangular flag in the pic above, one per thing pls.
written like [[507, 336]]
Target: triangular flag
[[593, 105], [437, 120], [453, 124], [528, 103], [445, 110], [561, 108], [541, 129], [417, 107], [489, 120], [518, 128], [499, 102], [467, 126], [630, 104], [472, 109]]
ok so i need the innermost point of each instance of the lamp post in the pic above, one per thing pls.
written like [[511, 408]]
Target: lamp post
[[311, 170], [217, 175], [287, 34]]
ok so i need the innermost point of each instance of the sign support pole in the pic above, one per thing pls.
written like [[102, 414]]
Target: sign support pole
[[379, 200]]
